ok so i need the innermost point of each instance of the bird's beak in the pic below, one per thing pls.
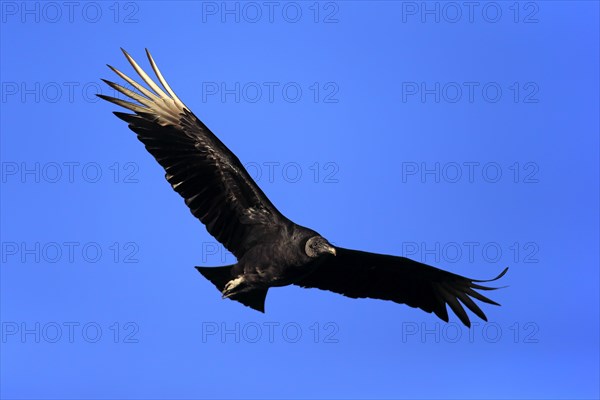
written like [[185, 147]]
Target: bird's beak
[[331, 249]]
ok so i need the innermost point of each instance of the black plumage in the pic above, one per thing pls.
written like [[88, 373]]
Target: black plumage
[[270, 249]]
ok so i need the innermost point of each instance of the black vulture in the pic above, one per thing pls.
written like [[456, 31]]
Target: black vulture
[[270, 249]]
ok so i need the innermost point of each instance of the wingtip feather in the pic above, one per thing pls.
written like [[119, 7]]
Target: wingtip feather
[[493, 279], [140, 71], [122, 103], [163, 81]]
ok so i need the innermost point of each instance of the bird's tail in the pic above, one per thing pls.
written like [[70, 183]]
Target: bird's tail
[[219, 276]]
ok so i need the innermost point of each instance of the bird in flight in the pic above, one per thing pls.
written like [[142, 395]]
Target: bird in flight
[[271, 250]]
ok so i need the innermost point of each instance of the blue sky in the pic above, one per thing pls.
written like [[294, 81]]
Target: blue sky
[[461, 135]]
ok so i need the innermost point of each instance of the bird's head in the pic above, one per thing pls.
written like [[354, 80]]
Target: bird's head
[[317, 246]]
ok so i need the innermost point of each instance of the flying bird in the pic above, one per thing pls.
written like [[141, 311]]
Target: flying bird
[[271, 250]]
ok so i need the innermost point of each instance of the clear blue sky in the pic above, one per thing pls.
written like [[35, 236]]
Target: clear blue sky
[[465, 136]]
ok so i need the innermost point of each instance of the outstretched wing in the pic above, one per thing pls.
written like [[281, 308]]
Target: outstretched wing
[[212, 180], [359, 274]]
